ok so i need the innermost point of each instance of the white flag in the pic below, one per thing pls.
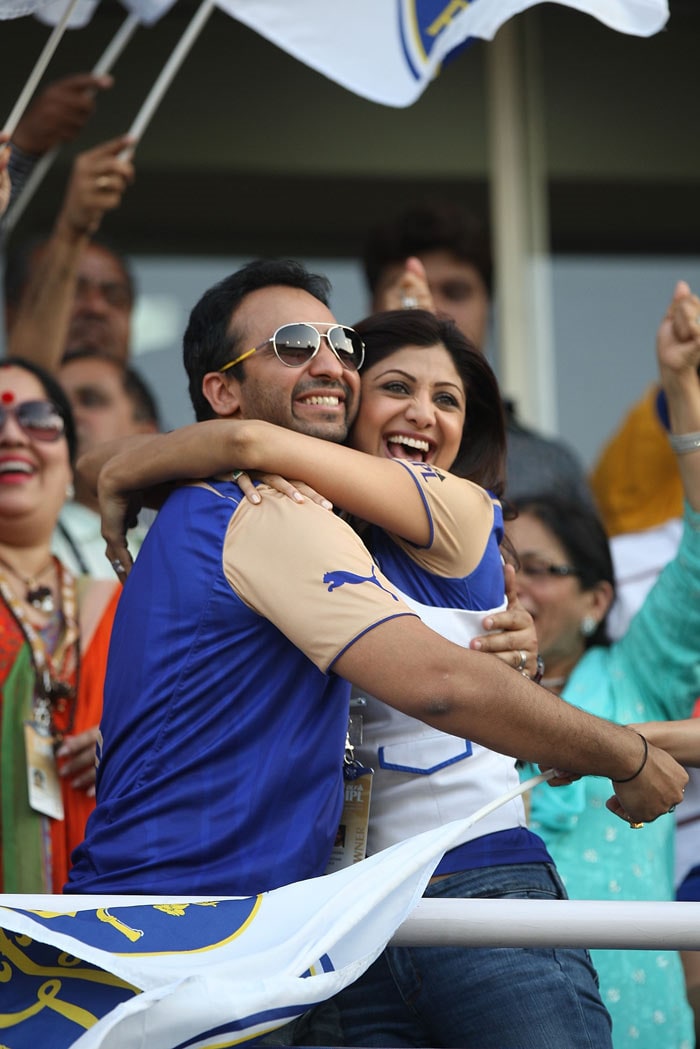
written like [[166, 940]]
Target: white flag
[[50, 12], [211, 972], [389, 50], [148, 11], [19, 8]]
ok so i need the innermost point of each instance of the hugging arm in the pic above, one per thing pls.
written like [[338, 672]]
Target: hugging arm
[[375, 489], [681, 739]]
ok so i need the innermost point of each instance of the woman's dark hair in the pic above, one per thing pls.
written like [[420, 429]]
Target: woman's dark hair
[[54, 393], [580, 531], [481, 455]]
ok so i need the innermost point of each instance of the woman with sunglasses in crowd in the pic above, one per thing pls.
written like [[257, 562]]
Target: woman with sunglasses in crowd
[[652, 674], [54, 634], [429, 403]]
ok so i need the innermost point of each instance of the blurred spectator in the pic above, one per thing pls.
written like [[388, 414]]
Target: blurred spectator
[[108, 400], [70, 292]]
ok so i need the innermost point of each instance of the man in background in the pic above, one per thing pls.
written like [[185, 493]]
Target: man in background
[[109, 400], [437, 256]]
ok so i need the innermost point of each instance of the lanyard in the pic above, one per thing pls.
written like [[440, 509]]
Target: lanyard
[[50, 667]]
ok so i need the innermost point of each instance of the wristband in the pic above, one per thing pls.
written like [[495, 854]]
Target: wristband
[[644, 761]]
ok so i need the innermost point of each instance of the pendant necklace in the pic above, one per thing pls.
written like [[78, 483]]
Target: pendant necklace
[[39, 597]]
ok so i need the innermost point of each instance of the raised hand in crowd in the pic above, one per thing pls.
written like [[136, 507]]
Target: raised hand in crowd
[[40, 322], [59, 112], [97, 184], [408, 289]]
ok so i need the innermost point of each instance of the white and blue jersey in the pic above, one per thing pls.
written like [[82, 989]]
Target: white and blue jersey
[[424, 777]]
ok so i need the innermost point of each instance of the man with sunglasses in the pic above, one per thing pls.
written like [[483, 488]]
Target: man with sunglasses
[[226, 697]]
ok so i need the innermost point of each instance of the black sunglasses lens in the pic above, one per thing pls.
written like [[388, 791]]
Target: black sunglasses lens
[[40, 420], [348, 345], [296, 343]]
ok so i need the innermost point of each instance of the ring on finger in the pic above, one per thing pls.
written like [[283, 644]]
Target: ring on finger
[[522, 663]]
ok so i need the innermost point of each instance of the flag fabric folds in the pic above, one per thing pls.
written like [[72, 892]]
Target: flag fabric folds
[[19, 8], [50, 11], [389, 51], [210, 972]]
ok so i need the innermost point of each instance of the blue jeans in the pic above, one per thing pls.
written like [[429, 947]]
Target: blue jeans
[[480, 997]]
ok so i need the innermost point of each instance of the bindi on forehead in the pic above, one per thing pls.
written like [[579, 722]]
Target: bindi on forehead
[[7, 397]]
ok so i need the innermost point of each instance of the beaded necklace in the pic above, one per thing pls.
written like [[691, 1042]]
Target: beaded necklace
[[53, 669]]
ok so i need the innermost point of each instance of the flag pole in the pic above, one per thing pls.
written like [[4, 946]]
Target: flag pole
[[38, 71], [111, 53], [168, 72], [520, 222]]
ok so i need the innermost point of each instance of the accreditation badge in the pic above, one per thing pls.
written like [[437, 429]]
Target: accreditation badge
[[351, 838], [43, 783]]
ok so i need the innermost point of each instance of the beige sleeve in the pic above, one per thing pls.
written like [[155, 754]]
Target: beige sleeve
[[306, 571], [461, 519]]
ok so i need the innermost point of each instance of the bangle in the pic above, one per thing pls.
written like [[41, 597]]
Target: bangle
[[682, 443], [644, 761]]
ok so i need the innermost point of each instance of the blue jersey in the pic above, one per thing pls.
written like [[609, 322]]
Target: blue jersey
[[223, 728]]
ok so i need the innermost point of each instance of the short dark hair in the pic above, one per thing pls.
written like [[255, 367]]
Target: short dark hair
[[134, 385], [20, 259], [579, 529], [209, 342], [429, 226], [481, 454], [54, 393]]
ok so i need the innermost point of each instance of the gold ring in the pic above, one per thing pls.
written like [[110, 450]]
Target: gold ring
[[523, 661], [636, 826]]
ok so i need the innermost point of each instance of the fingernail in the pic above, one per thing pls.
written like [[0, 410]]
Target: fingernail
[[476, 644], [327, 505], [62, 751], [488, 623], [298, 497], [255, 498]]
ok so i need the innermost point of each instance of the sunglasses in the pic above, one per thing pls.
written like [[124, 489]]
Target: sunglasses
[[540, 569], [297, 344], [40, 420]]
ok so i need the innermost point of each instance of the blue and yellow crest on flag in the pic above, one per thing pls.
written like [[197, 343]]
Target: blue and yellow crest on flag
[[389, 50], [421, 24]]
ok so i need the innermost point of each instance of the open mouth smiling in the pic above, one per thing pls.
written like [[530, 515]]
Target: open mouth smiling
[[414, 449], [328, 400], [13, 468]]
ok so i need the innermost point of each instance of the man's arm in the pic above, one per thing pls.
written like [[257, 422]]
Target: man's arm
[[5, 183], [40, 324], [470, 695], [57, 114]]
